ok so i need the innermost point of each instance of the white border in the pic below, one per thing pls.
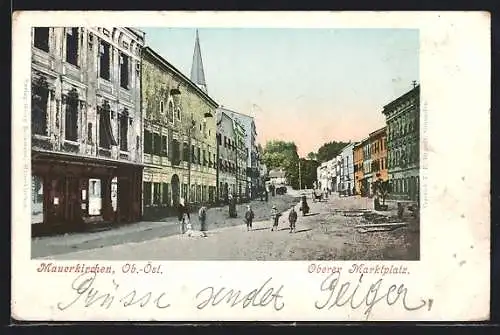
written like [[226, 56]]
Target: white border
[[455, 97]]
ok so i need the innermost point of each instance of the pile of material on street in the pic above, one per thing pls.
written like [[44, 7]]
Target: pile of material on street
[[371, 222]]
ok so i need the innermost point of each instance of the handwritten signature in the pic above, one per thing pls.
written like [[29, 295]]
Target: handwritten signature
[[210, 296], [87, 294], [359, 299]]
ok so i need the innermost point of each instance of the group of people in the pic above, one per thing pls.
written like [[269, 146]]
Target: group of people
[[186, 226]]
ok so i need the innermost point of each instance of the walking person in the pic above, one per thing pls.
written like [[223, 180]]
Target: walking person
[[202, 216], [183, 215], [292, 218], [249, 217], [275, 215]]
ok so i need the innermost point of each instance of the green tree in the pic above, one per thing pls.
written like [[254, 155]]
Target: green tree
[[312, 156], [330, 150]]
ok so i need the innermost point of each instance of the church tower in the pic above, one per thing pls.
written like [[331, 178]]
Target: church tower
[[197, 72]]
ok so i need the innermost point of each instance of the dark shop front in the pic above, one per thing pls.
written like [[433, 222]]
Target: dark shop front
[[77, 193]]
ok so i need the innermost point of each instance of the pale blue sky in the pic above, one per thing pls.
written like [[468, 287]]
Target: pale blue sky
[[310, 85]]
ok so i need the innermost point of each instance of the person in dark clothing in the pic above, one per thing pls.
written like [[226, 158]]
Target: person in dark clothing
[[304, 207], [202, 216], [292, 218], [249, 217], [183, 215], [275, 215]]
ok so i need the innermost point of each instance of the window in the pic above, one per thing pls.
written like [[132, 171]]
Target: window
[[185, 152], [106, 138], [72, 46], [178, 113], [198, 156], [157, 193], [164, 146], [165, 194], [39, 100], [36, 199], [104, 60], [176, 152], [148, 142], [95, 197], [193, 157], [124, 73], [71, 122], [157, 144], [225, 142], [170, 111], [124, 131], [41, 38], [89, 133], [147, 194], [204, 159]]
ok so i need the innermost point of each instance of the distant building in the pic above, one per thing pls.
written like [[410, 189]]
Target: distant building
[[378, 142], [277, 177], [367, 167], [347, 170], [358, 168], [403, 146], [322, 176], [86, 124]]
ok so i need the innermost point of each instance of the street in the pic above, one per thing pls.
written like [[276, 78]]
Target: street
[[145, 231], [327, 233]]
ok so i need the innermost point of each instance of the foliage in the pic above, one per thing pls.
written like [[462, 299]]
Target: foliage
[[280, 154], [312, 156], [381, 189], [330, 150]]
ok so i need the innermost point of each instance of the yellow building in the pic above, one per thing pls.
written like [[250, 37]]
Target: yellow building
[[358, 167], [179, 138]]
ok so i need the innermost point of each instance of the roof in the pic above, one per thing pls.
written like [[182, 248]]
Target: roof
[[275, 173], [186, 80], [378, 131], [197, 72], [390, 105]]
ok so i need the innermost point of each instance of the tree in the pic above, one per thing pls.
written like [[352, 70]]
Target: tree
[[330, 150], [280, 154], [381, 189]]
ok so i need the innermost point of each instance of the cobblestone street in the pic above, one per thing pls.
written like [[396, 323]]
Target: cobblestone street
[[146, 230], [324, 234]]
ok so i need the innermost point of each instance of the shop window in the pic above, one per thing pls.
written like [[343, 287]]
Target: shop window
[[41, 38], [71, 121], [184, 192], [95, 197], [36, 199], [124, 71], [124, 131], [104, 60], [106, 138], [72, 46], [39, 101], [147, 194], [114, 194], [165, 194], [156, 194], [148, 142]]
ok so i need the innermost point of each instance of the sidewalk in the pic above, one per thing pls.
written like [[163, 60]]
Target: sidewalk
[[324, 234]]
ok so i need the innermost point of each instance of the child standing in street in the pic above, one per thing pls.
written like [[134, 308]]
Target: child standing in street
[[292, 218], [249, 217], [275, 215]]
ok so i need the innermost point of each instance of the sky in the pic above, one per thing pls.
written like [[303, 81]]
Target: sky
[[309, 86]]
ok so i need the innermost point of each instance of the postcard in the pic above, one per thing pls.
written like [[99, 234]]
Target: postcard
[[253, 166]]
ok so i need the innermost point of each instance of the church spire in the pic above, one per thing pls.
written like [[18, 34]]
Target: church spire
[[197, 72]]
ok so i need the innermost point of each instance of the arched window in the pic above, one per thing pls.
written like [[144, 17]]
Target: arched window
[[71, 121]]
